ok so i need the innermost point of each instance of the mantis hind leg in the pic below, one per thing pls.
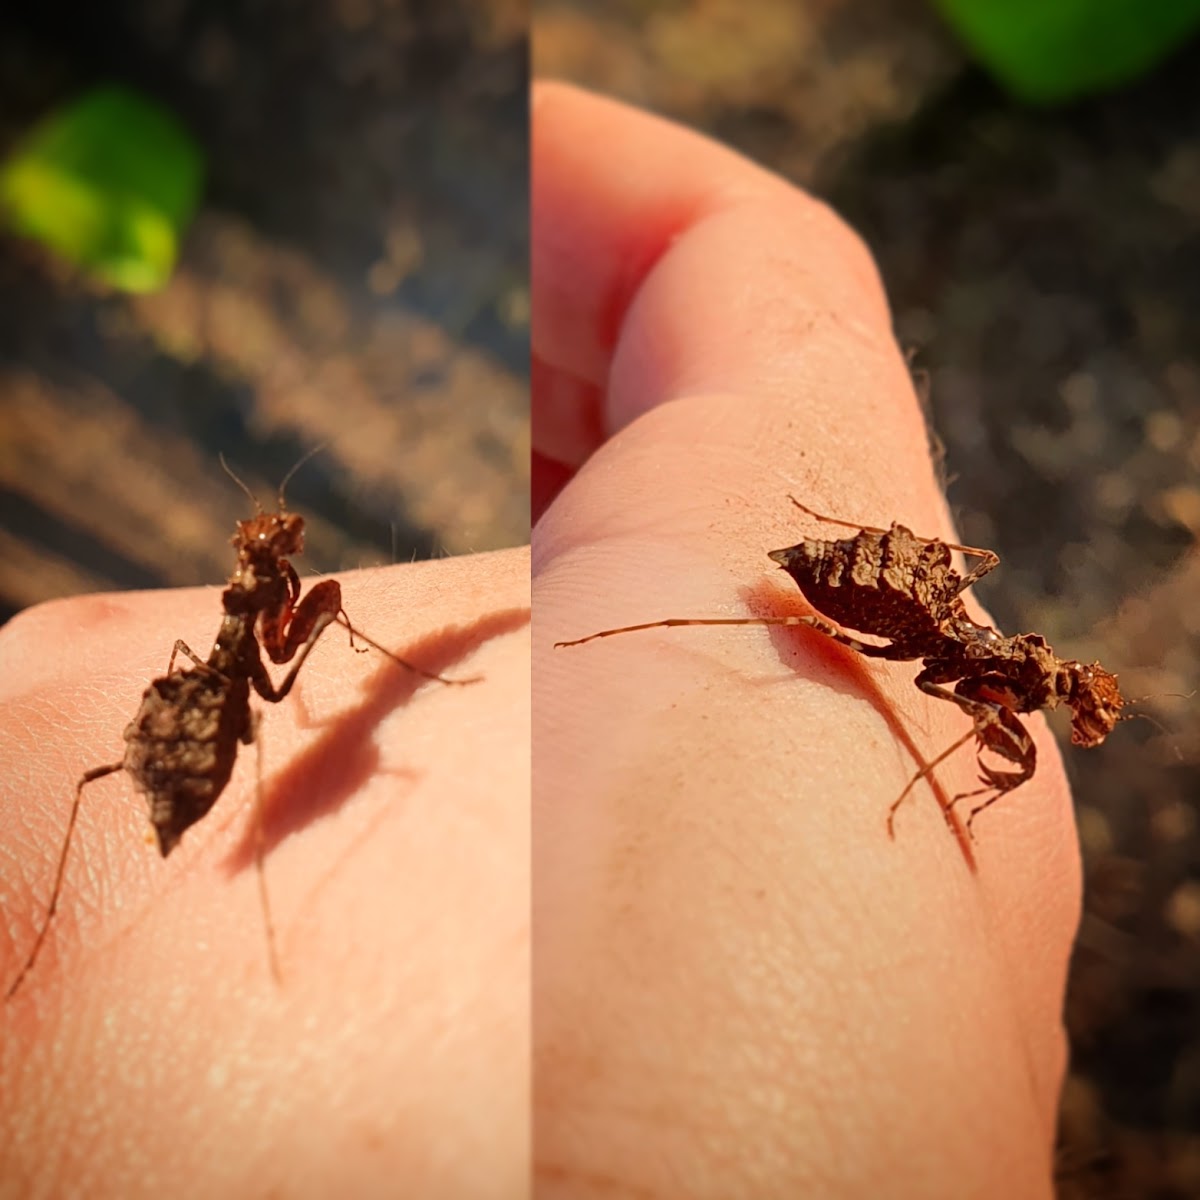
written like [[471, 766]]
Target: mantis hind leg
[[996, 729], [87, 777], [260, 845], [1005, 736]]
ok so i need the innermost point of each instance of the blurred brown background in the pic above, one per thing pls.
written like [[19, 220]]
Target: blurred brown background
[[1047, 265], [357, 275]]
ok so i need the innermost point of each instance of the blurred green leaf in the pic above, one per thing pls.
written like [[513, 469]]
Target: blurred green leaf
[[1052, 50], [110, 182]]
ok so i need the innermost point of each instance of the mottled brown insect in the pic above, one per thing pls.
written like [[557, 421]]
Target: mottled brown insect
[[890, 583], [181, 746]]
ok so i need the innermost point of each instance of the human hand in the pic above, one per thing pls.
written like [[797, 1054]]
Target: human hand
[[149, 1050], [742, 987]]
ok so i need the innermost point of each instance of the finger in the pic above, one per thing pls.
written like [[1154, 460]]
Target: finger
[[598, 233], [595, 234]]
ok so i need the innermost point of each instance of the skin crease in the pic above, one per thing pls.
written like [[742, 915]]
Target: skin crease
[[149, 1053], [742, 988]]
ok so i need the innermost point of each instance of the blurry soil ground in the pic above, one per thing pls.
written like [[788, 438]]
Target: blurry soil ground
[[357, 276], [1047, 264]]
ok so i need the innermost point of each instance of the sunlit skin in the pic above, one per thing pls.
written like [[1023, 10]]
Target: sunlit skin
[[742, 986], [397, 852]]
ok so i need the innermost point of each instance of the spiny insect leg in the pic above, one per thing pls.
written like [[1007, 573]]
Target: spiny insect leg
[[977, 710], [1011, 779], [989, 561], [260, 845], [812, 512], [88, 777], [1002, 734], [262, 681], [285, 631], [921, 774], [889, 650], [344, 621], [181, 647], [817, 623]]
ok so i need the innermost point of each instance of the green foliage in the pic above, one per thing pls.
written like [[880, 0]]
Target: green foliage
[[1052, 50], [109, 182]]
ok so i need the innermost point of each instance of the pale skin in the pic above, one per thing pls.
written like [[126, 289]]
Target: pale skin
[[742, 987], [149, 1051]]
